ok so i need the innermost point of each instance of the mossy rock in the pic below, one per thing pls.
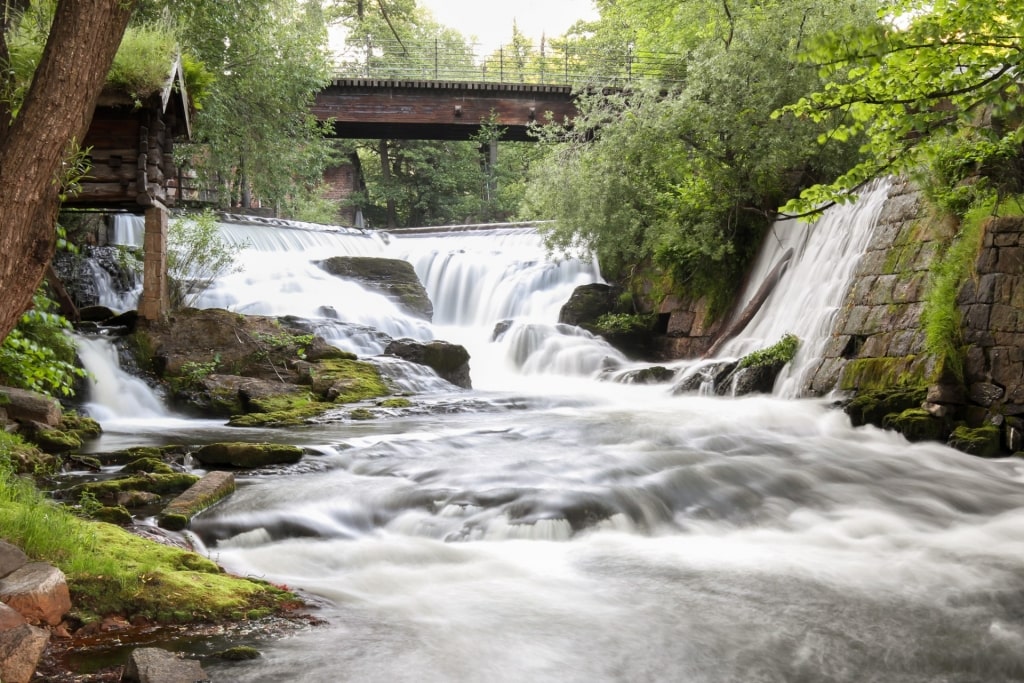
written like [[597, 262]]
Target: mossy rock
[[84, 427], [55, 441], [916, 424], [153, 483], [981, 441], [147, 464], [238, 654], [116, 514], [871, 407], [287, 410], [362, 414], [343, 380], [395, 403], [248, 455]]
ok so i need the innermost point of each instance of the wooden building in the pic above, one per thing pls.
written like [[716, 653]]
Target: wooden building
[[130, 147]]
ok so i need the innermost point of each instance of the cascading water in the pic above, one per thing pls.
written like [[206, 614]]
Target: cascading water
[[808, 296], [113, 393], [560, 528]]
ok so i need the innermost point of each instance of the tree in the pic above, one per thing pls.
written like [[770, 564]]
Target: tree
[[684, 174], [913, 79], [38, 133], [255, 134]]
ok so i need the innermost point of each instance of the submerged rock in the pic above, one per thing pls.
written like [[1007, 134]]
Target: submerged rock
[[449, 361], [394, 278], [248, 455], [156, 665]]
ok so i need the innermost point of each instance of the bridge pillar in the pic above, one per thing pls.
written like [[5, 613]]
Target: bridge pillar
[[153, 305]]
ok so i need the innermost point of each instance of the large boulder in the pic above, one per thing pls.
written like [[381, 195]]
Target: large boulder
[[449, 361], [155, 665], [394, 278], [11, 557], [21, 648], [29, 406], [588, 303], [248, 455], [38, 591]]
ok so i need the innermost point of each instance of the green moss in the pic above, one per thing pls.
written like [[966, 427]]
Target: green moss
[[872, 407], [83, 427], [164, 584], [622, 323], [347, 381], [882, 374], [283, 410], [174, 521], [916, 424], [56, 441], [154, 483], [982, 441], [395, 403], [779, 353], [242, 454], [113, 515], [362, 414], [150, 465]]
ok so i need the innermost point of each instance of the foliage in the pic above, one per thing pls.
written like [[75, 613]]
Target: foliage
[[940, 317], [779, 353], [196, 256], [142, 65], [922, 71], [966, 169], [687, 176], [623, 322], [39, 354], [255, 138]]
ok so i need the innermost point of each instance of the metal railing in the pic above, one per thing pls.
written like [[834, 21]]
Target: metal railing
[[564, 63]]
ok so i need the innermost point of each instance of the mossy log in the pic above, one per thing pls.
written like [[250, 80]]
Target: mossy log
[[213, 487]]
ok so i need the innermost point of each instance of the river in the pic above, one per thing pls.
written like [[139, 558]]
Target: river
[[553, 524]]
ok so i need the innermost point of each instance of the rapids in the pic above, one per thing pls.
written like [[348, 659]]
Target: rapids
[[552, 525]]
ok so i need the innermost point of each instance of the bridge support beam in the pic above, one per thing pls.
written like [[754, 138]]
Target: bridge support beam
[[153, 305]]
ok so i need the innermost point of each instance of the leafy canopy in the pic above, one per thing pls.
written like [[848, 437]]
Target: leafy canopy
[[909, 81], [685, 175]]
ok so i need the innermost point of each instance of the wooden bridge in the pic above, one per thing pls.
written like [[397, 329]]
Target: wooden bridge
[[438, 110], [433, 91]]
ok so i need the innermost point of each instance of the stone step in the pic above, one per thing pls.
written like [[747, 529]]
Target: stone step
[[201, 495]]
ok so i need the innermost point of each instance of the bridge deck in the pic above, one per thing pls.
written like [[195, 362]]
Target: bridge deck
[[439, 110]]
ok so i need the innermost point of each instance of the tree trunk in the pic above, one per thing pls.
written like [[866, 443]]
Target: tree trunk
[[54, 117], [385, 170]]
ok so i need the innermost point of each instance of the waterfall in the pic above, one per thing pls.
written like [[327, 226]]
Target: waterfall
[[113, 393], [808, 296], [129, 230]]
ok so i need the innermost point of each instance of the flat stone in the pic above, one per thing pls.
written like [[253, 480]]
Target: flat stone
[[38, 591], [11, 557], [24, 406], [154, 665], [211, 488], [242, 454], [985, 393], [21, 648]]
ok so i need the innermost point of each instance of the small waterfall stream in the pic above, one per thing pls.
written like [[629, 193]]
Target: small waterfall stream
[[558, 528]]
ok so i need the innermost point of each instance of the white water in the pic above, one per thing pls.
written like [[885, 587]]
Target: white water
[[808, 297], [554, 528], [129, 230], [113, 393]]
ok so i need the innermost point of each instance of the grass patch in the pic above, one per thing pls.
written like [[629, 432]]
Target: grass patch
[[779, 353], [111, 571], [940, 317]]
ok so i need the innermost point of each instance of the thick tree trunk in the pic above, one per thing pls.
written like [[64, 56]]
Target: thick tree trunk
[[54, 116]]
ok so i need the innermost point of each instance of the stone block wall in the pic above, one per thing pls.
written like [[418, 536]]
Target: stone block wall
[[992, 309], [877, 339]]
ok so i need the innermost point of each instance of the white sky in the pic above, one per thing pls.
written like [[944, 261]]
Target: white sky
[[490, 21]]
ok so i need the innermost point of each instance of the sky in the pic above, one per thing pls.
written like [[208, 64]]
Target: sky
[[491, 20]]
